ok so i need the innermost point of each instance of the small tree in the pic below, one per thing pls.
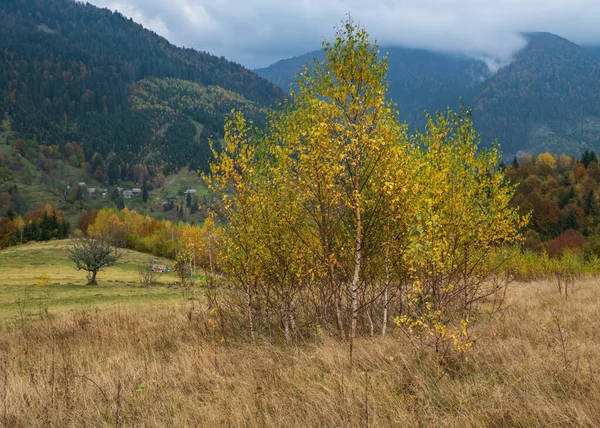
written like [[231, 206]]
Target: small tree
[[148, 277], [145, 192], [184, 264], [93, 255]]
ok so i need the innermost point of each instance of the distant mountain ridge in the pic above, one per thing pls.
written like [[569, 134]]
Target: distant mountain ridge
[[68, 71], [547, 98]]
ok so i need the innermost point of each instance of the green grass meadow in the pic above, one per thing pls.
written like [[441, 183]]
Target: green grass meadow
[[22, 267]]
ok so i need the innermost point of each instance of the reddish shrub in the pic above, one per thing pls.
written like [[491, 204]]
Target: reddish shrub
[[569, 239], [85, 220]]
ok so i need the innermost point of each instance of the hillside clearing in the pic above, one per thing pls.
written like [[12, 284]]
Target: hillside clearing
[[22, 267]]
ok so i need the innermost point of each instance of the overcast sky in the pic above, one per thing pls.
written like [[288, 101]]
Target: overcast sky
[[257, 33]]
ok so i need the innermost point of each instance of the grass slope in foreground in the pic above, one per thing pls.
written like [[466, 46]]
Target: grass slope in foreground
[[132, 366], [22, 267]]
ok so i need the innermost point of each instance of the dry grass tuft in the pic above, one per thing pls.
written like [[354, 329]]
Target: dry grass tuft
[[168, 367]]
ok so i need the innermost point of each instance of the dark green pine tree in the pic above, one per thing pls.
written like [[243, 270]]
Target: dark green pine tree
[[145, 192], [49, 227], [588, 157], [65, 229], [571, 221], [591, 203], [31, 232], [114, 194], [567, 198]]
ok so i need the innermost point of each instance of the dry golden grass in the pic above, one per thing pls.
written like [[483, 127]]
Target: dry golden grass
[[165, 367]]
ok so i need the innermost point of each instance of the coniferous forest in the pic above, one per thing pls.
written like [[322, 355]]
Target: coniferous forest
[[69, 71]]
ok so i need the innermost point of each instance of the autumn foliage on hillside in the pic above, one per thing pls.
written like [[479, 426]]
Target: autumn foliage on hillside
[[43, 224], [129, 229], [562, 194]]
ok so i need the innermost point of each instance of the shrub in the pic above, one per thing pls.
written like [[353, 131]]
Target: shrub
[[568, 240]]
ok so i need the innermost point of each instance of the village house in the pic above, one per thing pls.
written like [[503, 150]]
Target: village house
[[190, 192], [127, 194], [91, 191], [137, 192], [120, 190], [160, 268]]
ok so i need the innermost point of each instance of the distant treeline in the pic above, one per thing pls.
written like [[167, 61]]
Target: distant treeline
[[43, 224], [562, 193], [128, 229]]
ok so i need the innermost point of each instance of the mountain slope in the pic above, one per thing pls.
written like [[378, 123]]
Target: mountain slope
[[418, 79], [68, 70], [539, 101], [593, 51], [547, 98]]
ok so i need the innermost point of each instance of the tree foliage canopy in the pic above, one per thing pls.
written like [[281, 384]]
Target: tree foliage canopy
[[93, 255], [336, 211]]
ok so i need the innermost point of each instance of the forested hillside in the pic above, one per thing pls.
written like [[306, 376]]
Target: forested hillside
[[546, 99], [418, 79], [561, 193], [68, 72]]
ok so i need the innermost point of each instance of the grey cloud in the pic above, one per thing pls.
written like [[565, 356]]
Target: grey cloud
[[259, 32]]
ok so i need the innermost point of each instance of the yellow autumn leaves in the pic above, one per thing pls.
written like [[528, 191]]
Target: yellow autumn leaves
[[337, 218]]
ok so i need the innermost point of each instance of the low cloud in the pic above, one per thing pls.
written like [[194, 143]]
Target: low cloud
[[259, 32]]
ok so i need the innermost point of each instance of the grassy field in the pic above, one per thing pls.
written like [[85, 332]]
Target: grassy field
[[22, 267], [184, 179], [157, 365]]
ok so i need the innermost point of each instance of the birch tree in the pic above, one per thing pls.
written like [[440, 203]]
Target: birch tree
[[233, 175], [340, 138]]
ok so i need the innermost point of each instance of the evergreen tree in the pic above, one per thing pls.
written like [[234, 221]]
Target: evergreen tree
[[120, 203], [114, 194], [571, 221], [588, 157], [65, 229], [567, 198], [31, 232], [515, 163], [591, 203]]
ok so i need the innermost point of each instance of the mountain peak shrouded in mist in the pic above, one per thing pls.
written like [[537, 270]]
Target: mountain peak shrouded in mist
[[547, 97], [80, 73], [258, 32]]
